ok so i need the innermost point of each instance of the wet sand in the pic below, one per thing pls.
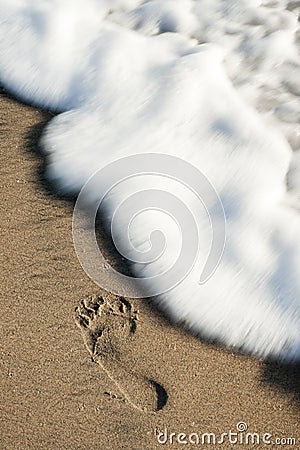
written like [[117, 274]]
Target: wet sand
[[59, 355]]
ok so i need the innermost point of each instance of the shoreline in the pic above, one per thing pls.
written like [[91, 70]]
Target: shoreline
[[53, 395]]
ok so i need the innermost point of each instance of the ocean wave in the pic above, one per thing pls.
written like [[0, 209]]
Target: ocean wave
[[214, 83]]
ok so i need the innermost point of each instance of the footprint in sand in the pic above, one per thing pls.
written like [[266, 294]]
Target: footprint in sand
[[107, 326]]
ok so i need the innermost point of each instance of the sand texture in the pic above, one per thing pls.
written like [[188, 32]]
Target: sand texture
[[84, 370]]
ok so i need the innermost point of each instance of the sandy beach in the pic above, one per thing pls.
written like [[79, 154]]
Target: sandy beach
[[54, 395]]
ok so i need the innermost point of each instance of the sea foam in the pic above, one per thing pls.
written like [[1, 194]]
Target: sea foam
[[213, 82]]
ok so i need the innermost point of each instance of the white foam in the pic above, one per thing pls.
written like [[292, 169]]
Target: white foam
[[129, 85]]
